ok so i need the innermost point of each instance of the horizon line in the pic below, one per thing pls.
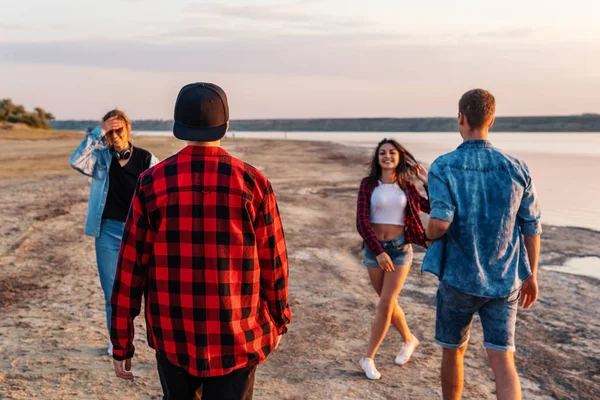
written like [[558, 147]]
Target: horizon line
[[586, 114]]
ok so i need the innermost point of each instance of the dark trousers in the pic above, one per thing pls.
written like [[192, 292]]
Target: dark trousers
[[178, 384]]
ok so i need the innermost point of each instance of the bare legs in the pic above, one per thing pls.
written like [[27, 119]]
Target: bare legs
[[501, 362], [453, 373], [388, 286]]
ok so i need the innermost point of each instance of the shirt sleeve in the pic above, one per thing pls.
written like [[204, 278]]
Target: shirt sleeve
[[363, 209], [272, 255], [530, 214], [130, 278], [440, 198], [84, 157]]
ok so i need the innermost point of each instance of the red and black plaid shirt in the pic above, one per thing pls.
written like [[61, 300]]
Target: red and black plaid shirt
[[413, 227], [204, 244]]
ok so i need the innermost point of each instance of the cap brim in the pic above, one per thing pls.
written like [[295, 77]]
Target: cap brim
[[199, 134]]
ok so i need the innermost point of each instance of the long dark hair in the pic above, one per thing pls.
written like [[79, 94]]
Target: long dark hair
[[407, 165]]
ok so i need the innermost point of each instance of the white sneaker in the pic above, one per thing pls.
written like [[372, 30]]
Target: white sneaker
[[368, 365], [407, 351], [110, 348]]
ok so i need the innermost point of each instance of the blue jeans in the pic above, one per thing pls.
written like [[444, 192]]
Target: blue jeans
[[454, 314], [399, 251], [107, 251]]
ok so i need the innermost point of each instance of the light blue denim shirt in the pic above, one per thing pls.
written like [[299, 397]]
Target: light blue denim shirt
[[490, 200], [92, 158]]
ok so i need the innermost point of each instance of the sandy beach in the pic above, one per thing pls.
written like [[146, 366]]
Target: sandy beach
[[52, 330]]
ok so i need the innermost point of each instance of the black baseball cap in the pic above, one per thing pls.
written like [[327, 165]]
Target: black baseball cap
[[201, 112]]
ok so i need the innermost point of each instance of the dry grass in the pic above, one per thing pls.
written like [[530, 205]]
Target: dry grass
[[26, 152], [23, 132]]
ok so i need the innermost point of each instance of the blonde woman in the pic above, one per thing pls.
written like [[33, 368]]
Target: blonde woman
[[108, 156]]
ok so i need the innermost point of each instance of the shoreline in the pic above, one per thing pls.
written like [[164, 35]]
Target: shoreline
[[545, 159], [52, 322]]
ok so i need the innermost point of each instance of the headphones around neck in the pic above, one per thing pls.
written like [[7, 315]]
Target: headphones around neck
[[122, 155]]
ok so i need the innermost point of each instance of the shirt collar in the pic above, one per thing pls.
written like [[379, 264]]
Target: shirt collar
[[205, 151], [475, 143]]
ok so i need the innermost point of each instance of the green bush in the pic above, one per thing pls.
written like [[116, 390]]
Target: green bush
[[16, 113]]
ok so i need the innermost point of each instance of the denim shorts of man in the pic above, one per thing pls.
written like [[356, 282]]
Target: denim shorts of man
[[485, 226]]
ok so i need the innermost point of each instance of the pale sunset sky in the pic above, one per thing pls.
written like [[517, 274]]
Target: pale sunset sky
[[301, 59]]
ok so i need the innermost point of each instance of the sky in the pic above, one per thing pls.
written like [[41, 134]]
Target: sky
[[302, 58]]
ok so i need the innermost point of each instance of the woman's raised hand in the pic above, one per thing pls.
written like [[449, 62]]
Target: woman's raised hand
[[421, 173], [110, 124]]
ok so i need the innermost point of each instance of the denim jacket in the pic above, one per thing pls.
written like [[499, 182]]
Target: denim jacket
[[92, 158], [491, 202]]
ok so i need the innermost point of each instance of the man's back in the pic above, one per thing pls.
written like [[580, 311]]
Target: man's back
[[484, 227], [490, 199], [207, 228]]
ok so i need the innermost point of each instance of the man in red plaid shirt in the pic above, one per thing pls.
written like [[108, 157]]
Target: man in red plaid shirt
[[204, 244]]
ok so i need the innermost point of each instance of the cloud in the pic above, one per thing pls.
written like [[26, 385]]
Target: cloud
[[344, 55], [291, 16], [13, 27], [211, 20], [222, 38], [514, 33]]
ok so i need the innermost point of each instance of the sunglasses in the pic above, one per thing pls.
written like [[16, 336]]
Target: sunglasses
[[117, 131]]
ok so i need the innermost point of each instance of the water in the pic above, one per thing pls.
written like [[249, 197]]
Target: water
[[565, 166], [586, 266]]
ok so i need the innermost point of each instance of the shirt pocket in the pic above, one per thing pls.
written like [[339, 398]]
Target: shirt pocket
[[100, 169]]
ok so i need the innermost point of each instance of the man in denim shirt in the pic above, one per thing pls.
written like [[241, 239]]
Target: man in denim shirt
[[485, 226]]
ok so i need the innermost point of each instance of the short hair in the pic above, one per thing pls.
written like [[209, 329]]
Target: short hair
[[478, 106]]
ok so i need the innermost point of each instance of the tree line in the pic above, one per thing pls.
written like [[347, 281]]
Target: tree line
[[574, 123], [16, 113]]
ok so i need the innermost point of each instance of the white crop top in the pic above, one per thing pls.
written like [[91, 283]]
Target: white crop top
[[388, 204]]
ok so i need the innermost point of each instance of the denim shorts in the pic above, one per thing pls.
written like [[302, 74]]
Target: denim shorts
[[454, 314], [399, 251]]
